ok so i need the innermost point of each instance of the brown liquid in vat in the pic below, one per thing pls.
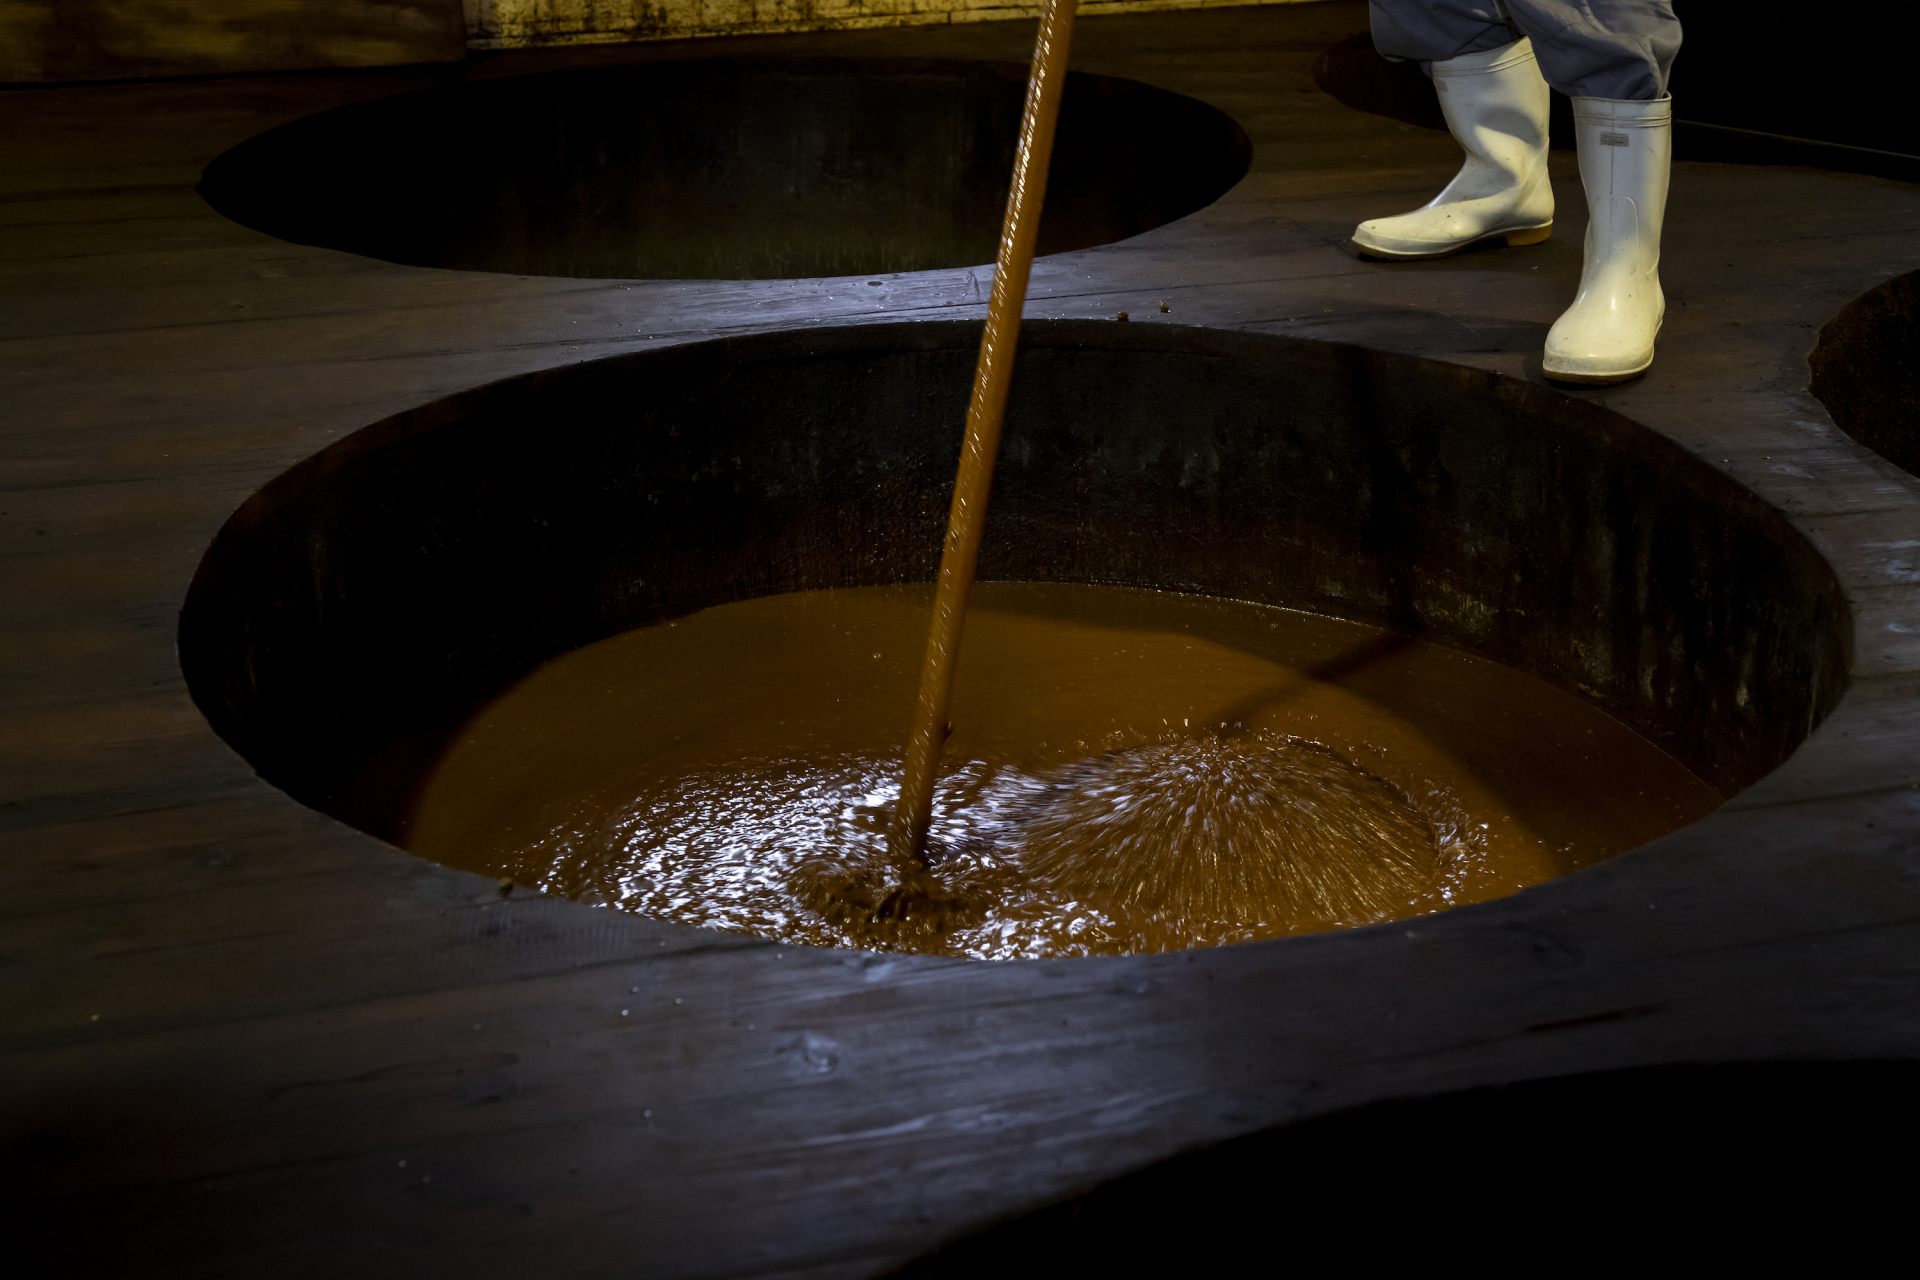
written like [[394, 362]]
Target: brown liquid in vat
[[717, 770]]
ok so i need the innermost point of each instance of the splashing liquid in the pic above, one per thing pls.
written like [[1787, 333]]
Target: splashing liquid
[[739, 769]]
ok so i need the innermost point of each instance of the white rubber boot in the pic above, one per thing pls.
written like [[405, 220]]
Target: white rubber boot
[[1496, 108], [1626, 150]]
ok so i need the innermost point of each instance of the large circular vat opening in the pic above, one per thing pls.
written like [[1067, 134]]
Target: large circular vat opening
[[1864, 370], [717, 169], [643, 630], [1732, 1157]]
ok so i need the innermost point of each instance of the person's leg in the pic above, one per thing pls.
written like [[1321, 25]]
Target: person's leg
[[1495, 105], [1618, 50], [1612, 57], [1435, 30]]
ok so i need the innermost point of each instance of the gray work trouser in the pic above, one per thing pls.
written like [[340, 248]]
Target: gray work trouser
[[1586, 48]]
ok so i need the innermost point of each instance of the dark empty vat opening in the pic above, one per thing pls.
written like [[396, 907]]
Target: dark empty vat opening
[[1736, 1158], [1867, 373], [388, 588], [723, 169]]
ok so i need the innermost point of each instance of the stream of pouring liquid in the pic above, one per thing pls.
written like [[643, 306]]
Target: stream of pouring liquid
[[986, 414]]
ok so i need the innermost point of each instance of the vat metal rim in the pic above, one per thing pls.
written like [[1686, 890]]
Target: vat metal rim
[[1613, 428]]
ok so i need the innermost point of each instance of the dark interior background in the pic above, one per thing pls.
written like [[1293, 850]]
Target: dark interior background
[[1751, 85], [1837, 74]]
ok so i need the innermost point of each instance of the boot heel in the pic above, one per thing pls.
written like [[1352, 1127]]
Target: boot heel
[[1533, 235]]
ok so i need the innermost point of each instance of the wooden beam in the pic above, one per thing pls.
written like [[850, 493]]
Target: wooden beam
[[61, 40]]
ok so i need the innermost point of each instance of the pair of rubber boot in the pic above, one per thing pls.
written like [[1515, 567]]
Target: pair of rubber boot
[[1496, 106]]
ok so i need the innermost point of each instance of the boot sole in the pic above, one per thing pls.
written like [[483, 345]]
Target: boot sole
[[1597, 379], [1515, 240]]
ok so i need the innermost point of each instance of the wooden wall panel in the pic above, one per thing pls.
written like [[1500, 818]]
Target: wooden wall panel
[[55, 40], [506, 23]]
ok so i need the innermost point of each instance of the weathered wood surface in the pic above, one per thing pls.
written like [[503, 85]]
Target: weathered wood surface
[[241, 1039], [63, 40], [514, 23]]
